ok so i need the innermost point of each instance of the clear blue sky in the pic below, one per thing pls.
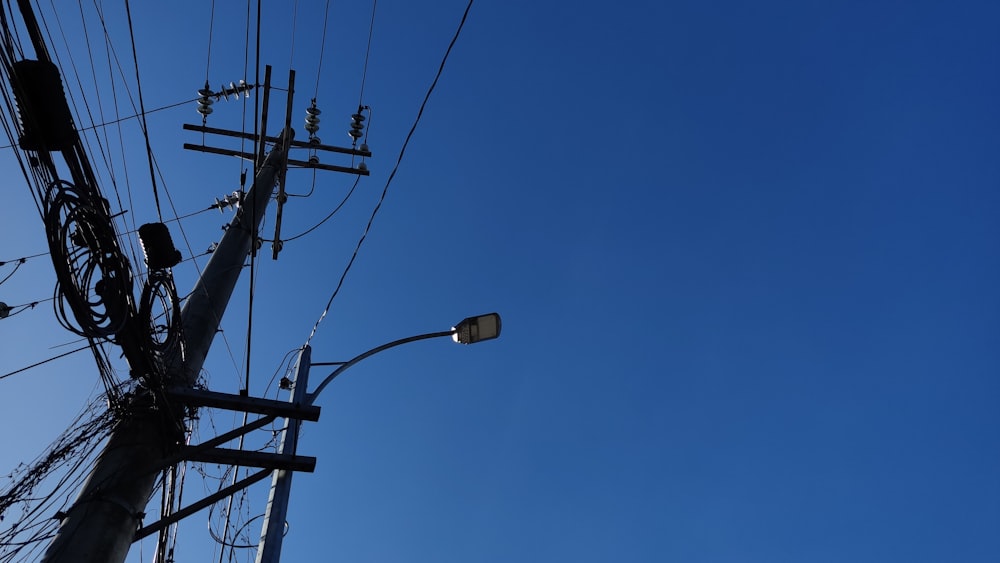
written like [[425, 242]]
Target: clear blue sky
[[747, 258]]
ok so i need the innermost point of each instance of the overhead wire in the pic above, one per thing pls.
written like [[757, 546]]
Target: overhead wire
[[13, 310], [329, 215], [322, 49], [18, 262], [24, 258], [295, 17], [142, 111], [120, 119], [66, 457], [392, 174], [169, 198], [194, 256], [130, 220], [258, 143], [103, 148], [367, 228], [211, 27], [43, 362], [63, 204], [17, 267], [79, 81], [97, 131], [126, 220], [368, 51], [253, 250], [98, 350], [100, 354], [364, 74], [41, 176]]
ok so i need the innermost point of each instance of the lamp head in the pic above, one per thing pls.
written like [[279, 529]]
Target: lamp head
[[477, 329]]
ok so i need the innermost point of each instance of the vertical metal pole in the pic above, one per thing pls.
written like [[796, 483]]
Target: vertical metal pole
[[101, 524], [273, 529]]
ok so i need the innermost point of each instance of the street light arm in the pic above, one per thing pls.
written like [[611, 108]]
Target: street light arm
[[312, 396]]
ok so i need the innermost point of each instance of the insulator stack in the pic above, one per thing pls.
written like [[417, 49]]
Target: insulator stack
[[158, 246], [231, 200], [206, 97], [205, 102], [235, 90], [357, 129], [312, 119], [46, 122]]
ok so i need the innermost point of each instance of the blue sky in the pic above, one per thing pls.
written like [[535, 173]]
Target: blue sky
[[746, 258]]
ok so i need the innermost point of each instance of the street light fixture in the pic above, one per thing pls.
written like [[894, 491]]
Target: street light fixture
[[469, 331], [477, 329]]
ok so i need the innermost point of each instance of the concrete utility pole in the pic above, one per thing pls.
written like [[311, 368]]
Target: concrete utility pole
[[273, 529], [101, 525]]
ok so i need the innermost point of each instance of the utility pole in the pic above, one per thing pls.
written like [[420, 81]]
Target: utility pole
[[149, 433], [273, 529], [101, 525]]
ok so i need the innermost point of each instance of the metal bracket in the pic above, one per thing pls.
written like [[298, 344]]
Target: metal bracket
[[214, 399], [201, 504]]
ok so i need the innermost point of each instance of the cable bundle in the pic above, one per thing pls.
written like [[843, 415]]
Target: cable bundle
[[94, 280]]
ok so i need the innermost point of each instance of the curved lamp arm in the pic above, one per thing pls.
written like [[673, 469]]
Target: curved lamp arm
[[468, 331], [312, 396]]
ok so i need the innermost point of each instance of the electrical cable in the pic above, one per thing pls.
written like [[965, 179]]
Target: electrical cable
[[67, 457], [79, 81], [253, 251], [368, 50], [134, 254], [327, 218], [160, 312], [295, 18], [392, 174], [17, 267], [258, 142], [36, 364], [120, 120], [211, 27], [93, 278], [322, 48], [193, 259], [142, 112], [285, 363], [13, 310], [23, 258], [312, 185]]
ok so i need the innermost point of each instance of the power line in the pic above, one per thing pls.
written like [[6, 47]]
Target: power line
[[368, 49], [35, 365], [322, 47], [327, 218], [392, 174], [211, 26], [8, 311], [23, 258], [121, 119], [142, 112]]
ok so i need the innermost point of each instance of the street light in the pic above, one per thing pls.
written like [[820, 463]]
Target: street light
[[469, 331], [477, 329]]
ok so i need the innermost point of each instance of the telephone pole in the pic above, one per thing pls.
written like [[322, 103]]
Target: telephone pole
[[273, 529], [101, 525], [148, 438]]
